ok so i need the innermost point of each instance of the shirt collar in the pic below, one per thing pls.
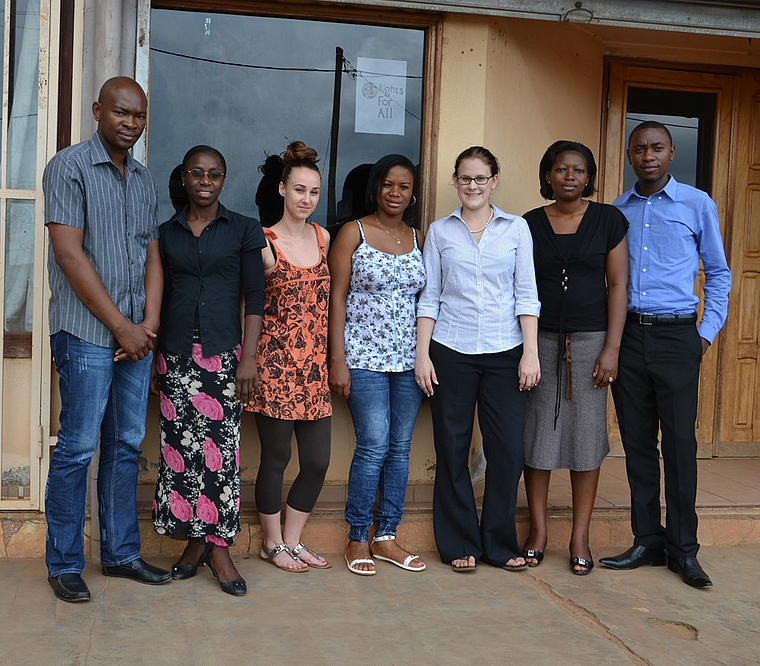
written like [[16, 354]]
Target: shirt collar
[[671, 188], [100, 154], [497, 213], [180, 217]]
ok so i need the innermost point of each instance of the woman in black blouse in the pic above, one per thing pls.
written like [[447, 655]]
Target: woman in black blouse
[[204, 376], [581, 260]]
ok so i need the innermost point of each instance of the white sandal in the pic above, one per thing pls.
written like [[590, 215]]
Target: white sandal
[[407, 561], [360, 560]]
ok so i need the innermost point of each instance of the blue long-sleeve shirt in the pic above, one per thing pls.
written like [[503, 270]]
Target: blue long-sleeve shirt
[[669, 232]]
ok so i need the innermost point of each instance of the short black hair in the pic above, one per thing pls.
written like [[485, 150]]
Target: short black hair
[[203, 149], [551, 155], [377, 175], [650, 124]]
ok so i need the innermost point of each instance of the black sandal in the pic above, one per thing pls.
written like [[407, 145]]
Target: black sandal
[[581, 562], [535, 554]]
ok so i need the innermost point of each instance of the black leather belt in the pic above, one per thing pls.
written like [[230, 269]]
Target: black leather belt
[[661, 320]]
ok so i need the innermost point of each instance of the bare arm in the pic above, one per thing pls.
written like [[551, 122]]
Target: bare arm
[[154, 287], [605, 370], [340, 278], [134, 339], [529, 369], [246, 373], [424, 372]]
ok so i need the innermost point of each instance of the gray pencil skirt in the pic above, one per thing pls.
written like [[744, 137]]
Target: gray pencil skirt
[[580, 440]]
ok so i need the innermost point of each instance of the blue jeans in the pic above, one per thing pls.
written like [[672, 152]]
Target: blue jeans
[[99, 399], [384, 408]]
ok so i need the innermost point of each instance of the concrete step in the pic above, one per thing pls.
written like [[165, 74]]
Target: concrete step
[[23, 534]]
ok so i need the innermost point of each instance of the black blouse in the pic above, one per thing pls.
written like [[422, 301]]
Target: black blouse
[[203, 278], [578, 275]]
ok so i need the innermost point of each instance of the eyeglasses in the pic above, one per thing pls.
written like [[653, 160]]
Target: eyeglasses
[[199, 173], [479, 180]]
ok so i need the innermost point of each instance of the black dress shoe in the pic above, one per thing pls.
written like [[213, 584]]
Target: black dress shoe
[[185, 571], [140, 571], [690, 570], [70, 587], [237, 587], [634, 557]]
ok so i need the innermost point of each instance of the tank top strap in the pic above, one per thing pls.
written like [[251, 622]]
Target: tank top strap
[[414, 233], [320, 237], [361, 230], [271, 235]]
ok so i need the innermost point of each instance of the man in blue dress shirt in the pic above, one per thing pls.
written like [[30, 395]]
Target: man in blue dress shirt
[[672, 225]]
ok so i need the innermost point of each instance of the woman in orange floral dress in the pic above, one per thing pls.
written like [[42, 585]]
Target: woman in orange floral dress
[[292, 394]]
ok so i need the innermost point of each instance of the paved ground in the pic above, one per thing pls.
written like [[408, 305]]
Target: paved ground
[[544, 616]]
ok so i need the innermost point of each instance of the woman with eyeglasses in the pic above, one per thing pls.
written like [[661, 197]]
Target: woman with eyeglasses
[[202, 374], [377, 270], [292, 395], [476, 347]]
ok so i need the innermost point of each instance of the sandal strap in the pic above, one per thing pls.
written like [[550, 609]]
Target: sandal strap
[[582, 562], [281, 548], [384, 537], [362, 560], [300, 547], [409, 560]]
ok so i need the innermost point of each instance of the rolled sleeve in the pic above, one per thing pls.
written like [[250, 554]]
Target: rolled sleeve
[[717, 274], [526, 291], [430, 297]]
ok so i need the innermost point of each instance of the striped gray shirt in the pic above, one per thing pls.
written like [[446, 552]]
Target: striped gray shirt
[[84, 189]]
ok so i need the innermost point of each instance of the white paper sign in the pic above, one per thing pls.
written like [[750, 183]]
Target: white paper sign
[[380, 96]]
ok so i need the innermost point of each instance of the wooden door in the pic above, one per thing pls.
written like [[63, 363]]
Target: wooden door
[[739, 374], [623, 77]]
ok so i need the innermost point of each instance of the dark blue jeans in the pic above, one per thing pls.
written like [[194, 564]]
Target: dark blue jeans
[[102, 400], [384, 408]]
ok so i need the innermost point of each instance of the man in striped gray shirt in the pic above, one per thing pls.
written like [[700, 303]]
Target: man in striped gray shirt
[[106, 283]]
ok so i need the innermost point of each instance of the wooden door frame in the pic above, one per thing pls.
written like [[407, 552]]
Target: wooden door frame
[[620, 74]]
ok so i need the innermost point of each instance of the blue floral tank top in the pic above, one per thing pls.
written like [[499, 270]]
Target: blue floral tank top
[[381, 308]]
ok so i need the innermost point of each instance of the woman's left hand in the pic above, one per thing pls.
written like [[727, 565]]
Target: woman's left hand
[[605, 370], [245, 380], [528, 371]]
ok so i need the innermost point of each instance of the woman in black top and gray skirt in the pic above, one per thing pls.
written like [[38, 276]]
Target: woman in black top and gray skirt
[[204, 376], [581, 260]]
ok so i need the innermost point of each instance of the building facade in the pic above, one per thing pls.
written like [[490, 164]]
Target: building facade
[[424, 78]]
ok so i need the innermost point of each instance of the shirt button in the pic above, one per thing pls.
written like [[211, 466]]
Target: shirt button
[[645, 247], [643, 293], [643, 270], [646, 225], [649, 203], [659, 197], [203, 302]]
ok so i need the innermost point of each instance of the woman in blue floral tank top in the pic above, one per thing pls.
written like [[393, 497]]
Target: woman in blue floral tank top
[[377, 271]]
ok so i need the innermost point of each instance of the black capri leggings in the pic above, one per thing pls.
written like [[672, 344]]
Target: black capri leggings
[[313, 439]]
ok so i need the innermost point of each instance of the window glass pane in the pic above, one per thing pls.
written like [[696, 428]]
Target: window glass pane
[[247, 84], [690, 118], [19, 265], [22, 94], [15, 430]]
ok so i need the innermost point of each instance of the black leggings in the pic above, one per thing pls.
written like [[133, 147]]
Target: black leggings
[[313, 438]]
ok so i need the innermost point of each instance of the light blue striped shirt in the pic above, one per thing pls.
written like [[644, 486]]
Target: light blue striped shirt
[[84, 189], [476, 291]]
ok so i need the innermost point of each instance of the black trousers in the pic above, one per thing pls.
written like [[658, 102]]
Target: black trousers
[[490, 381], [657, 384]]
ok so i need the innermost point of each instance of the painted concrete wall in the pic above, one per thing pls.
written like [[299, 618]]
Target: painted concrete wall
[[514, 86]]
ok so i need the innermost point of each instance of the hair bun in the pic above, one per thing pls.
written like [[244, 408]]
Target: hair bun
[[298, 151]]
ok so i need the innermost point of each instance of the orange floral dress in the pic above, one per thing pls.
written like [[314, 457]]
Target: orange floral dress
[[292, 353]]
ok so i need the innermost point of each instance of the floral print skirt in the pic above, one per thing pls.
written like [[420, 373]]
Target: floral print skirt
[[198, 489]]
